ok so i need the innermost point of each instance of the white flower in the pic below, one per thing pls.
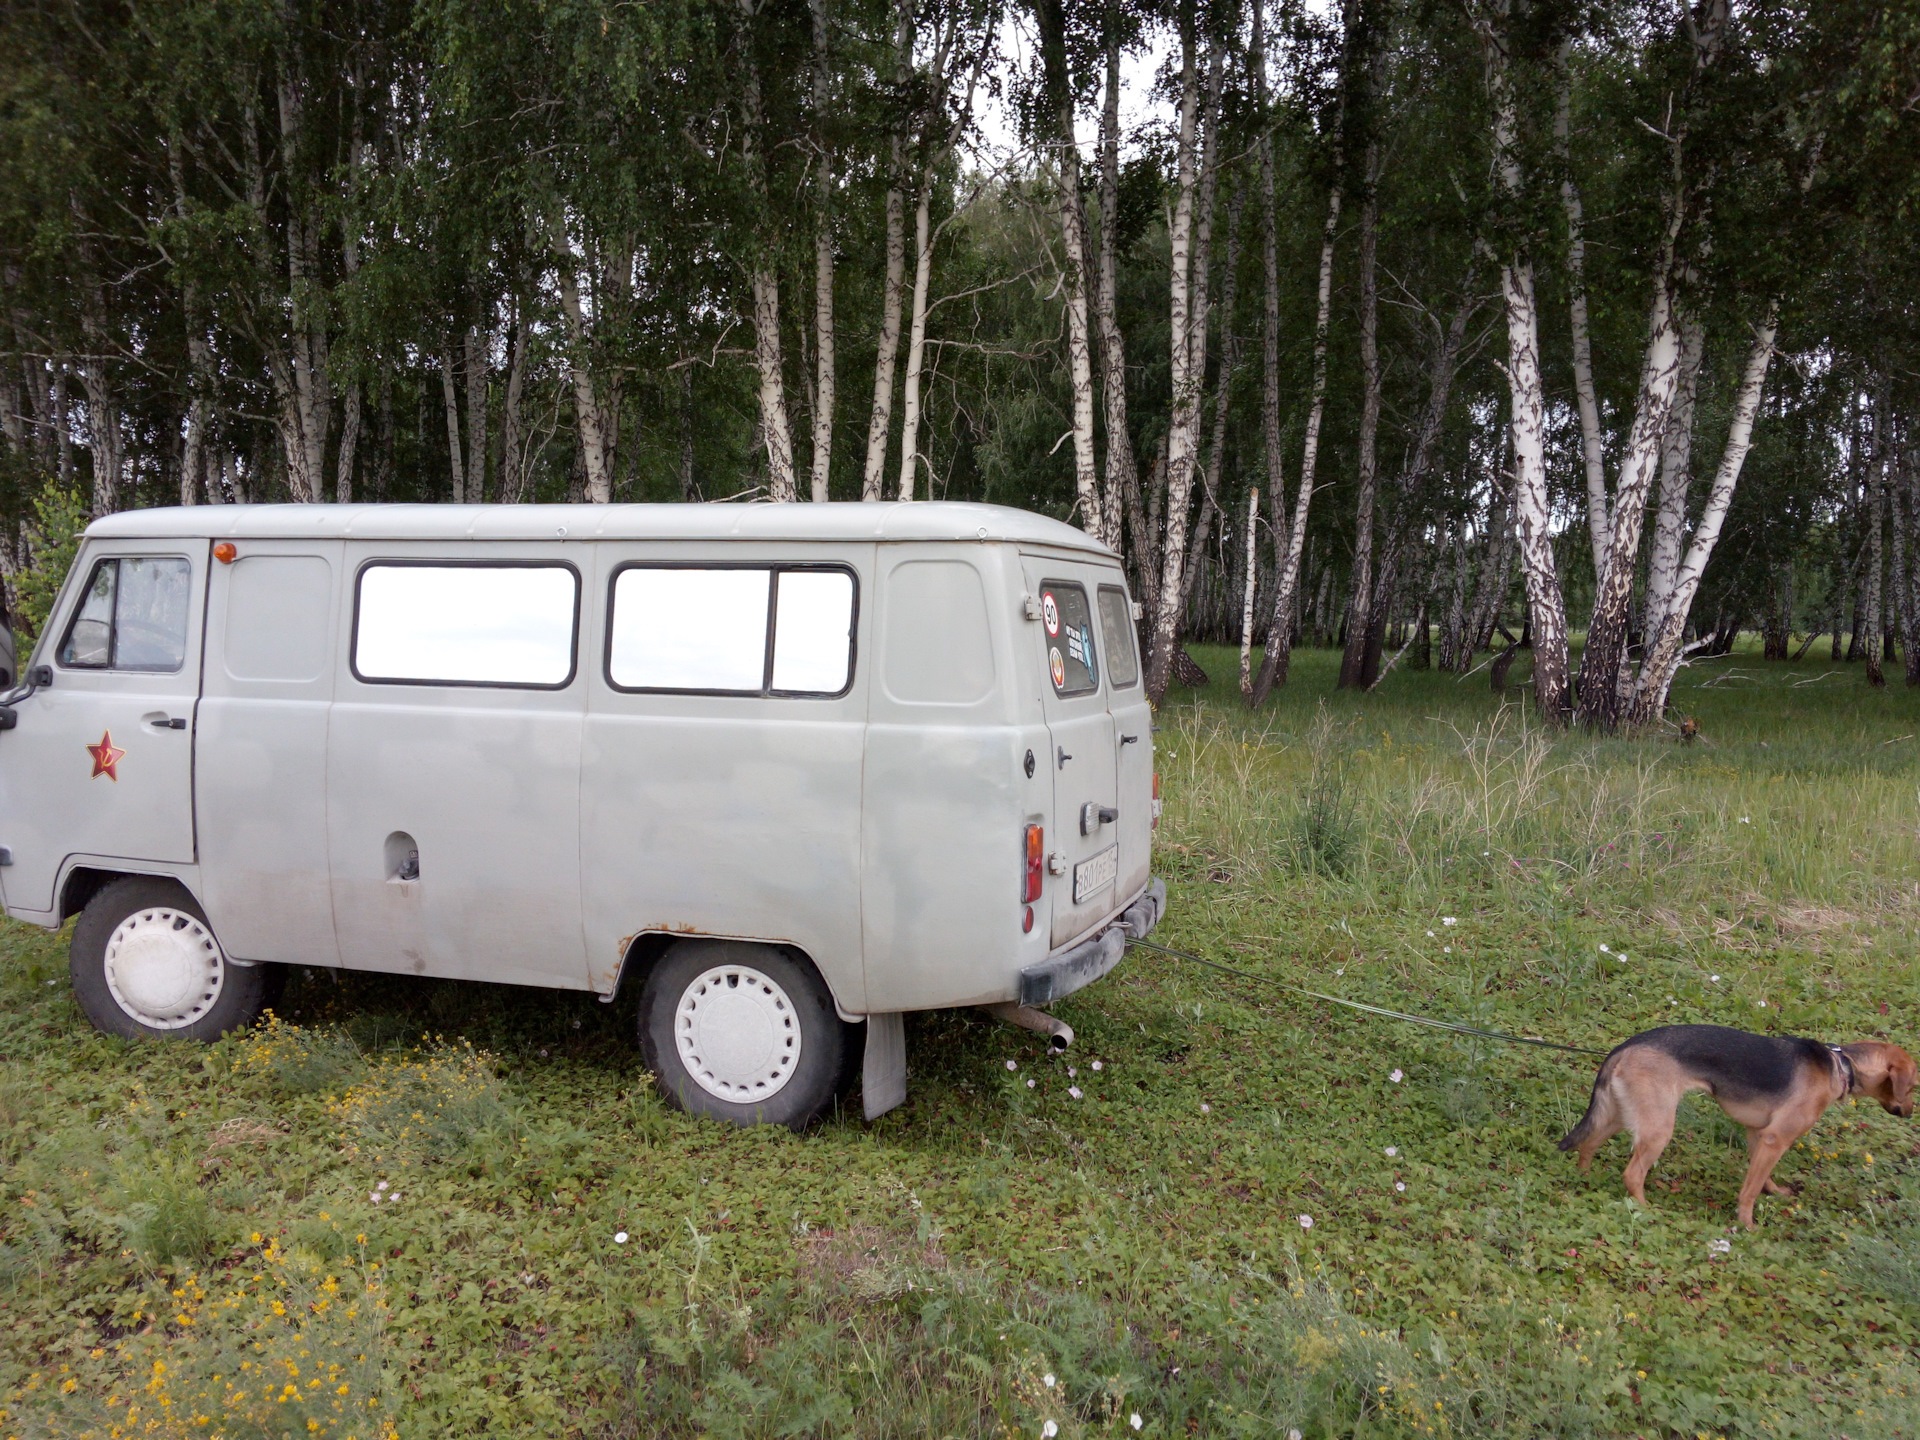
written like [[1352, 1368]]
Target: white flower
[[1047, 1380], [1714, 978], [1449, 919], [394, 1198], [1720, 1247], [1071, 1072], [1446, 949], [1605, 951], [374, 1197], [1012, 1065], [1097, 1065], [52, 983], [1341, 971], [543, 1054], [1293, 1435], [1392, 1150], [1029, 1084], [1049, 1430], [1396, 1077], [1429, 934], [1400, 1185], [1306, 1222], [619, 1237], [1135, 1420], [1205, 1109], [1485, 853], [1074, 1091], [381, 1186], [1746, 820], [1761, 1003]]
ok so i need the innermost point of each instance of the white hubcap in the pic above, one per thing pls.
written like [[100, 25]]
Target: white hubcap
[[738, 1033], [164, 967]]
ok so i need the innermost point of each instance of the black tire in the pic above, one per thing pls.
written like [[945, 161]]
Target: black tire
[[237, 993], [802, 1065]]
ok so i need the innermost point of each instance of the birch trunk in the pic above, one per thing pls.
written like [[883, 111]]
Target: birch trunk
[[1274, 663], [455, 456], [880, 417], [824, 379], [1876, 559], [1527, 419], [1676, 479], [1246, 604], [917, 341], [782, 486], [477, 347], [595, 424], [1907, 499], [199, 358], [1122, 470], [305, 432], [513, 464], [1182, 432], [1592, 455], [1073, 230], [1665, 651], [1360, 597]]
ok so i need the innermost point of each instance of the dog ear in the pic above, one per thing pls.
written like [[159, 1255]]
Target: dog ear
[[1901, 1073]]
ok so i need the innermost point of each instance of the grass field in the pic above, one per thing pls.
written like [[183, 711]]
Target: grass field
[[399, 1211]]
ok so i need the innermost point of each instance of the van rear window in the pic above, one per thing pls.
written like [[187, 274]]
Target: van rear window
[[1116, 629], [1071, 663], [453, 624], [732, 630]]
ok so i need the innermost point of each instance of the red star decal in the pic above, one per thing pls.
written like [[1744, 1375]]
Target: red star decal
[[105, 757]]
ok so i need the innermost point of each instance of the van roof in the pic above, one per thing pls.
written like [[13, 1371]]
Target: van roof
[[848, 520]]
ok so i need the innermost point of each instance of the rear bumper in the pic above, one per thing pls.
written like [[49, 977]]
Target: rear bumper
[[1079, 965]]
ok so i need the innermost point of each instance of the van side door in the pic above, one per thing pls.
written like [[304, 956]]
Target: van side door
[[1086, 794], [453, 762], [1133, 737], [100, 763]]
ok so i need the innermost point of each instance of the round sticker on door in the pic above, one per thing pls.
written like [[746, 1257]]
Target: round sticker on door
[[1050, 612], [1059, 669]]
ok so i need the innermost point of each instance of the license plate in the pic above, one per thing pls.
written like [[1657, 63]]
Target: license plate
[[1090, 877]]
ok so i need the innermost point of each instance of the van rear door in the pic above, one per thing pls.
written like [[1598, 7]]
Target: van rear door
[[1085, 832], [1133, 737]]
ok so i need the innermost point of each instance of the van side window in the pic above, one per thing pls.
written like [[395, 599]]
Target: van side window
[[1070, 658], [133, 616], [732, 630], [454, 624], [1116, 629]]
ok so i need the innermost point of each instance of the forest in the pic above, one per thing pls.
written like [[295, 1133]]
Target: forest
[[1429, 331]]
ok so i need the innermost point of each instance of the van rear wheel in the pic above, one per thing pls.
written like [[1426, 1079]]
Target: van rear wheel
[[145, 962], [744, 1033]]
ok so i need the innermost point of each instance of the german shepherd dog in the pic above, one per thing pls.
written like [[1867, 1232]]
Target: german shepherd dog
[[1777, 1086]]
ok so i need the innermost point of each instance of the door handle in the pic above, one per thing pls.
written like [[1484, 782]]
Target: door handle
[[1129, 739], [1061, 752], [1093, 816], [158, 720]]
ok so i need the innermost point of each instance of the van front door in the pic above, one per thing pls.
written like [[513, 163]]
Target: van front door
[[100, 763], [1086, 817]]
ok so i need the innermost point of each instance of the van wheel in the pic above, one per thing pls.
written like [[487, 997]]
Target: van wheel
[[742, 1032], [144, 961]]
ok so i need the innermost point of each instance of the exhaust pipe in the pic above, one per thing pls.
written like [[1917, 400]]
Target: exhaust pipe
[[1059, 1034]]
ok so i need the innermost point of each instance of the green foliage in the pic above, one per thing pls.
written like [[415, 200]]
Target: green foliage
[[60, 516]]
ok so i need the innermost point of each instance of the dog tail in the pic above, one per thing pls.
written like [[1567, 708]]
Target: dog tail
[[1587, 1122]]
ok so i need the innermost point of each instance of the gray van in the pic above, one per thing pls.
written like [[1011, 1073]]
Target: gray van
[[793, 770]]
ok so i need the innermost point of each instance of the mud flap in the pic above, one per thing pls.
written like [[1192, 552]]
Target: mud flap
[[883, 1076]]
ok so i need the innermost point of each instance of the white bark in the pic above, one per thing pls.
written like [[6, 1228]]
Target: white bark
[[513, 464], [1676, 479], [1121, 475], [773, 390], [455, 456], [596, 428], [477, 347], [824, 380], [1073, 232], [880, 417], [1246, 603], [916, 343], [1665, 650], [1592, 454]]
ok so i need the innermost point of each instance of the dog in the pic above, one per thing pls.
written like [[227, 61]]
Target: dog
[[1777, 1086]]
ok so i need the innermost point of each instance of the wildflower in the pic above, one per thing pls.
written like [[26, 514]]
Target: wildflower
[[1135, 1420], [1446, 949], [1761, 1003], [1029, 1084], [1604, 950], [1714, 978], [1293, 1435], [1396, 1077], [1746, 820], [1449, 919], [374, 1196], [1869, 1157], [1097, 1065], [1047, 1380], [1306, 1222], [619, 1237], [1049, 1430], [1205, 1109], [1074, 1091], [1400, 1186], [1012, 1065], [1071, 1072], [1392, 1150], [543, 1054], [381, 1186], [1719, 1247]]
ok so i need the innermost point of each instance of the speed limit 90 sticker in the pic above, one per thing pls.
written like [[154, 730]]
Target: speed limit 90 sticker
[[1050, 612]]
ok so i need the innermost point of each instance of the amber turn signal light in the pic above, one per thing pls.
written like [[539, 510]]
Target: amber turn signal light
[[1036, 864], [225, 552]]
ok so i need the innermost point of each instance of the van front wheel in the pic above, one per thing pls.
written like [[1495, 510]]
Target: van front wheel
[[144, 961], [743, 1033]]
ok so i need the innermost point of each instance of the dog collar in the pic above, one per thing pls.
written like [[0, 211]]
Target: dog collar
[[1846, 1064]]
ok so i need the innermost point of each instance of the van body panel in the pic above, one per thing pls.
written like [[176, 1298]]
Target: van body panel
[[260, 746], [483, 781], [724, 815], [95, 765]]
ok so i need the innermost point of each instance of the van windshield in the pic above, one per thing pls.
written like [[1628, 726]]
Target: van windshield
[[1071, 663]]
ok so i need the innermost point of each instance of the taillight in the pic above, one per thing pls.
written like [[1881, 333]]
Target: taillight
[[1156, 800], [1036, 864]]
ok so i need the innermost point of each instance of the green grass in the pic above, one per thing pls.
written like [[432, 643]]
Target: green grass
[[210, 1209]]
